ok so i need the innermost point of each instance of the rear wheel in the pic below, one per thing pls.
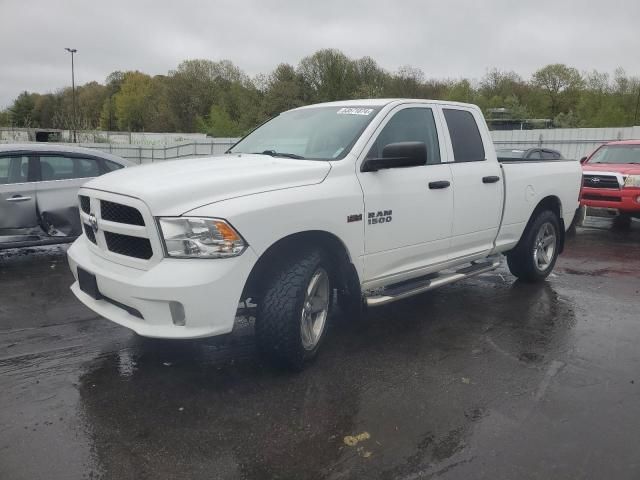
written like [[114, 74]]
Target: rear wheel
[[535, 255], [294, 310]]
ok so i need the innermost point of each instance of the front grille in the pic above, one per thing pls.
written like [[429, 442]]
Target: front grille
[[85, 204], [116, 212], [127, 245], [602, 198], [88, 231], [600, 181]]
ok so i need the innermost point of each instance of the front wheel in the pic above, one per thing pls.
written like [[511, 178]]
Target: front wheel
[[535, 255], [294, 310]]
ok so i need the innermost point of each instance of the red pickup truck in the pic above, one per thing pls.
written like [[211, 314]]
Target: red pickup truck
[[611, 178]]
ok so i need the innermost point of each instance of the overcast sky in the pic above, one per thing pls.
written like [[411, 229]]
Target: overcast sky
[[446, 39]]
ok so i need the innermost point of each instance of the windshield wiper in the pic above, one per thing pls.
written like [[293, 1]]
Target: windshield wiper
[[273, 153]]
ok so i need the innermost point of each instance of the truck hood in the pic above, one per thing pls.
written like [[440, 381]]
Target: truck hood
[[177, 186], [622, 168]]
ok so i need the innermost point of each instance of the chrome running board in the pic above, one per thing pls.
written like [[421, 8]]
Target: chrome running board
[[398, 291]]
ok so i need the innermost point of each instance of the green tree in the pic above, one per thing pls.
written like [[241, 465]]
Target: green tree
[[497, 83], [328, 75], [566, 120], [22, 110], [461, 91], [407, 82], [90, 100], [626, 96], [560, 84], [243, 103], [5, 119], [141, 104], [108, 116], [193, 87], [219, 124], [283, 90], [370, 79], [132, 102], [44, 109], [517, 110], [217, 96]]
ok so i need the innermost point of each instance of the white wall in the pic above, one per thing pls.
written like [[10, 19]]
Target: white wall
[[10, 135], [572, 142], [153, 153]]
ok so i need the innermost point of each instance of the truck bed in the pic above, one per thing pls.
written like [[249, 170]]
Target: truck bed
[[526, 183]]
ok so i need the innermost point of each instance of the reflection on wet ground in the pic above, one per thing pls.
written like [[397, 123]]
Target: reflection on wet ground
[[488, 378]]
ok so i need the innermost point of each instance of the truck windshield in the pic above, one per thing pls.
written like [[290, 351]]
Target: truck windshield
[[318, 133], [617, 154]]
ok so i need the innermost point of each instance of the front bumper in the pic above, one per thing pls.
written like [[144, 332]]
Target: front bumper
[[626, 200], [208, 289]]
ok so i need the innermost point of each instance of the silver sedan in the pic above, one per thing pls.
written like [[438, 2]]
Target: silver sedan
[[39, 191]]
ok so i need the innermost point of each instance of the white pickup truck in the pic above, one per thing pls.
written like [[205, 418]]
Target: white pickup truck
[[376, 200]]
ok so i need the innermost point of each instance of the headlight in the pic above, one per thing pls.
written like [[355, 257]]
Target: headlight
[[632, 181], [193, 237]]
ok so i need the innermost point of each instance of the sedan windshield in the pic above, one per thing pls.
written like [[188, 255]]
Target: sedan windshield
[[617, 154], [318, 133]]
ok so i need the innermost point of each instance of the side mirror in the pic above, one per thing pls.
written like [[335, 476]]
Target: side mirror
[[398, 155], [583, 160]]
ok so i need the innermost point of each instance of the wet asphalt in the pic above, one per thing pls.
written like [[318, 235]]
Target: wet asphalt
[[488, 378]]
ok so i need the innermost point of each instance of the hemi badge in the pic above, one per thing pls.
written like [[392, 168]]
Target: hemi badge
[[354, 218]]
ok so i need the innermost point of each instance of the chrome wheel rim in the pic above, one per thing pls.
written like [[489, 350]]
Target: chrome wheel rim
[[315, 309], [544, 246]]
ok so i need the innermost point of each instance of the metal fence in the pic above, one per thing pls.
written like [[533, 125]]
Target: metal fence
[[571, 142], [158, 139], [154, 153]]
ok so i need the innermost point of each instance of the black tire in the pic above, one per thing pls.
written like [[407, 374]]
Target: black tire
[[279, 314], [522, 261], [622, 222]]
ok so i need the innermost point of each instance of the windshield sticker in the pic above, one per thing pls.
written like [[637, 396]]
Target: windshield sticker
[[355, 111]]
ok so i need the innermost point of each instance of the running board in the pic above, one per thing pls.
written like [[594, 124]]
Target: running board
[[402, 290]]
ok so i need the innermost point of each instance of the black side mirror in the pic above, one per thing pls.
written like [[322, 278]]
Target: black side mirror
[[398, 155], [583, 160]]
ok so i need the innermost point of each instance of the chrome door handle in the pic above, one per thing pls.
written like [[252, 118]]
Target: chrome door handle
[[18, 198]]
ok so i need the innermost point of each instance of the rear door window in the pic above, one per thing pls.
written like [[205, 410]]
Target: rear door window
[[14, 169], [110, 166], [58, 167], [87, 167], [465, 136]]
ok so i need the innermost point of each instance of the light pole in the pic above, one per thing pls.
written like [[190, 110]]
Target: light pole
[[73, 91], [635, 117]]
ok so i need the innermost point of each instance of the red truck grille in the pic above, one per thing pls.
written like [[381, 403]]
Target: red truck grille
[[601, 198]]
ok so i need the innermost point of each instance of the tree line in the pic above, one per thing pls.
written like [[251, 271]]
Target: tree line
[[218, 98]]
